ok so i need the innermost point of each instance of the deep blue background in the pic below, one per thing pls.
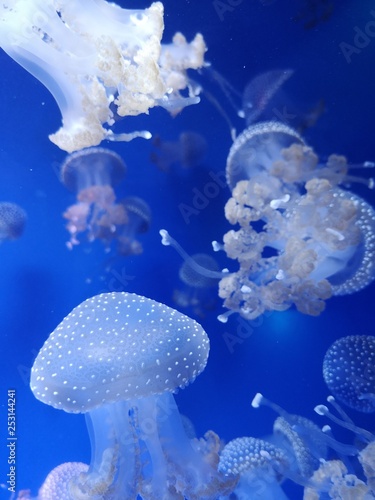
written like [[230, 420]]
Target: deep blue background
[[41, 280]]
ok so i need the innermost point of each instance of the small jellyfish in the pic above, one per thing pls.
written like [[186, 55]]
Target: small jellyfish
[[139, 220], [91, 173], [349, 371], [12, 221], [260, 90], [188, 151], [197, 289]]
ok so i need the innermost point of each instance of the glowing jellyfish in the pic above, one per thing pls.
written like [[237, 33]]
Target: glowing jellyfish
[[118, 358], [91, 173], [12, 221], [188, 151], [139, 219], [100, 62], [349, 371]]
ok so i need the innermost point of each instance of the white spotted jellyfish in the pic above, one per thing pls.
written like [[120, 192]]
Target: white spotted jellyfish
[[349, 371], [300, 238], [12, 221], [118, 358], [91, 173]]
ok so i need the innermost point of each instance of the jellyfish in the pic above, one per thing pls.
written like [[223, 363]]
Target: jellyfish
[[306, 445], [333, 478], [257, 149], [260, 90], [12, 221], [91, 173], [197, 291], [118, 358], [258, 465], [57, 483], [275, 149], [301, 238], [299, 437], [349, 371], [100, 62], [296, 245], [188, 151], [138, 222]]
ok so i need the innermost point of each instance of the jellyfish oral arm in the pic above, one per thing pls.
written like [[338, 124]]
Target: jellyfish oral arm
[[99, 61]]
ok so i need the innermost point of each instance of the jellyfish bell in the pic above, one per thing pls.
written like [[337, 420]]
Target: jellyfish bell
[[260, 90], [349, 371], [12, 221], [92, 167], [357, 269], [119, 357], [257, 148]]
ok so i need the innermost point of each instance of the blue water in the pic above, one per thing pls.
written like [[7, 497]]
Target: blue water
[[41, 280]]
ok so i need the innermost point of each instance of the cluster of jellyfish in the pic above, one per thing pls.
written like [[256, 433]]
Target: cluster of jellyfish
[[119, 357], [141, 445], [300, 236]]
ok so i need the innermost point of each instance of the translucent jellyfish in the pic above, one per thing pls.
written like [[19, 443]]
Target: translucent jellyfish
[[12, 221], [349, 371], [138, 222], [118, 357], [258, 465], [260, 90], [91, 173], [188, 151], [198, 291], [100, 62]]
